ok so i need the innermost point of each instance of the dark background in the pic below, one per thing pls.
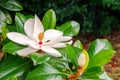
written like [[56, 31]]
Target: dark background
[[98, 17]]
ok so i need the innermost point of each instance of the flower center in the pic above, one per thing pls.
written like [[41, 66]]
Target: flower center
[[40, 37], [40, 43]]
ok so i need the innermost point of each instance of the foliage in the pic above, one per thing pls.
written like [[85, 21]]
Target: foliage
[[5, 17], [96, 16], [113, 4], [43, 66]]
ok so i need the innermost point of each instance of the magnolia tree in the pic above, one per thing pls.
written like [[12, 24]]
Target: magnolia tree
[[40, 50]]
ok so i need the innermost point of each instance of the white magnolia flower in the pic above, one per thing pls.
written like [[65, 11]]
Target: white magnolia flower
[[36, 39]]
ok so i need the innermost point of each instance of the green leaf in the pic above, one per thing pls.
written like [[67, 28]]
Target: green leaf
[[19, 21], [101, 58], [23, 76], [72, 55], [11, 28], [78, 44], [91, 77], [2, 24], [39, 58], [12, 5], [104, 76], [49, 19], [3, 21], [12, 47], [45, 72], [100, 52], [2, 16], [60, 63], [13, 78], [8, 17], [70, 28], [13, 65], [29, 16], [99, 45], [93, 71], [4, 32]]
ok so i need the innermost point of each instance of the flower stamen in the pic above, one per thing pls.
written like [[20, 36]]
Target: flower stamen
[[41, 36]]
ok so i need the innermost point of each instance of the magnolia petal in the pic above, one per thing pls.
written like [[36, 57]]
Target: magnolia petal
[[34, 44], [61, 39], [18, 38], [38, 28], [26, 51], [29, 28], [51, 51], [59, 45], [59, 42], [64, 38], [51, 34]]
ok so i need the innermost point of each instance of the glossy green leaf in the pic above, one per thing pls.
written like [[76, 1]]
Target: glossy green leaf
[[12, 47], [8, 17], [39, 58], [61, 63], [49, 19], [45, 72], [13, 65], [104, 76], [72, 56], [19, 21], [101, 58], [2, 16], [99, 45], [93, 71], [78, 44], [12, 5], [100, 52], [4, 32], [3, 21], [70, 28]]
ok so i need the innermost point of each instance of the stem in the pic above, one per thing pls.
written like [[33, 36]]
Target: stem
[[74, 76]]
